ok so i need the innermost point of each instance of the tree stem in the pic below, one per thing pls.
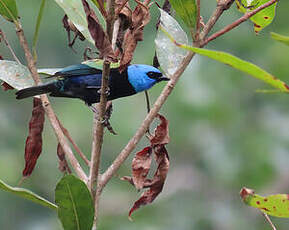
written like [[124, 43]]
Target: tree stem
[[47, 107]]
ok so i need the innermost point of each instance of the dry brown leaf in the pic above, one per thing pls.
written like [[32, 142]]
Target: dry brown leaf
[[33, 145], [161, 133], [100, 38], [62, 162], [141, 164], [157, 183], [140, 17]]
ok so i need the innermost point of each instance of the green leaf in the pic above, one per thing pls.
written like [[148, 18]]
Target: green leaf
[[169, 55], [98, 63], [236, 63], [187, 10], [26, 194], [262, 18], [8, 10], [36, 33], [48, 71], [75, 205], [280, 38], [15, 74], [75, 12], [273, 205]]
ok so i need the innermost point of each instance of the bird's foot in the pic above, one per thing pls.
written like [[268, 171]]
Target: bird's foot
[[107, 92]]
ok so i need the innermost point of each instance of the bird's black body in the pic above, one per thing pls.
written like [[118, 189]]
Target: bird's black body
[[84, 82]]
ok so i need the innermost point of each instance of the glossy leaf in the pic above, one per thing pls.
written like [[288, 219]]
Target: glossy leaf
[[8, 10], [26, 194], [75, 205], [75, 12], [280, 38], [169, 55], [187, 10], [235, 62], [262, 18], [273, 205], [16, 75]]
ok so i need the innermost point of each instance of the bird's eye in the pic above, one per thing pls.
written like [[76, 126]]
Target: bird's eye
[[154, 75]]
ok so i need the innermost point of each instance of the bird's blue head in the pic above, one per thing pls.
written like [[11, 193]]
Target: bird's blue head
[[143, 77]]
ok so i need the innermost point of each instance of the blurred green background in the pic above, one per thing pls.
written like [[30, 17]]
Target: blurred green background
[[224, 135]]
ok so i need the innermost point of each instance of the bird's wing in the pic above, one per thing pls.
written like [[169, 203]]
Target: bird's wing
[[77, 70]]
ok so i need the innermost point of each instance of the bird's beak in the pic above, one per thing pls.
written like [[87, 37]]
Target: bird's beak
[[163, 78]]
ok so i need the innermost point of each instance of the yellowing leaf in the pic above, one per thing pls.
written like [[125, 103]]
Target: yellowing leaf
[[273, 205], [262, 18]]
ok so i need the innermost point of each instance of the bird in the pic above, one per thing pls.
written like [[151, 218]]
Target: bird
[[84, 82]]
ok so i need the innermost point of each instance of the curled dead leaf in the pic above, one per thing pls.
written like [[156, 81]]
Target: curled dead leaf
[[69, 26], [161, 133], [100, 38], [155, 185], [141, 164], [140, 17], [33, 146]]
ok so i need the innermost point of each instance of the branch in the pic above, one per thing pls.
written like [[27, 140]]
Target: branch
[[108, 174], [2, 34], [244, 18], [46, 104], [221, 7], [77, 149], [98, 128]]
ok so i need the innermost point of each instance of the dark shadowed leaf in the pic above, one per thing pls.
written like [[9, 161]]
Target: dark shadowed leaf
[[140, 17], [141, 164], [161, 134], [33, 146], [157, 183], [8, 10], [62, 163], [274, 205], [26, 194], [187, 10], [75, 205], [100, 38]]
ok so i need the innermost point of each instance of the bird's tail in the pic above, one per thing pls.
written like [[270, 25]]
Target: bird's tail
[[35, 90]]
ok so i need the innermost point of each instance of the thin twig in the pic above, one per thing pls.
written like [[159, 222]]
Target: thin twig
[[244, 18], [77, 149], [98, 123], [2, 34], [101, 8], [46, 104], [221, 7], [269, 221], [198, 24], [112, 169]]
